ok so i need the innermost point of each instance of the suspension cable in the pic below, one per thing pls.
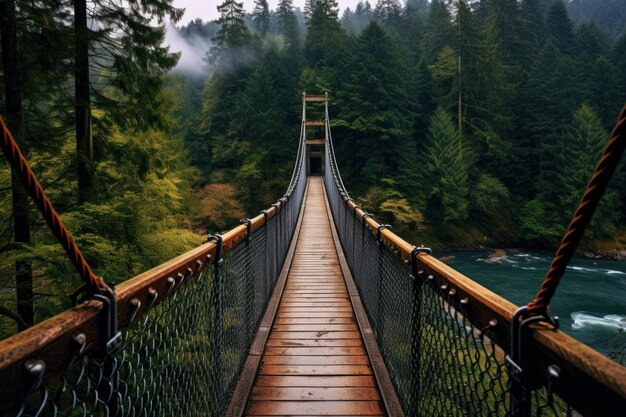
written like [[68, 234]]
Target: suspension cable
[[91, 282], [588, 204]]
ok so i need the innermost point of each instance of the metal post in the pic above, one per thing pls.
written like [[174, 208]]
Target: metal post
[[418, 282], [219, 327], [379, 302]]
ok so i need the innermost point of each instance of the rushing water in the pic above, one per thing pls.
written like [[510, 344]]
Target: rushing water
[[590, 301]]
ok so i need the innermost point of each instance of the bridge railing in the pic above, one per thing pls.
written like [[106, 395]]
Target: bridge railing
[[185, 330], [445, 339]]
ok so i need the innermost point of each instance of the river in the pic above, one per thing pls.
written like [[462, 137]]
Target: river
[[590, 301]]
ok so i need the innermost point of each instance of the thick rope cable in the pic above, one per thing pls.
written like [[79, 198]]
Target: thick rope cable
[[92, 283], [590, 200]]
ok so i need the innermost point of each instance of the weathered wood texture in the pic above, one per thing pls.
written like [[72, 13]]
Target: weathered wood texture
[[315, 362]]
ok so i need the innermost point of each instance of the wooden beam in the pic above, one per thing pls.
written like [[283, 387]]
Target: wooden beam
[[315, 141], [316, 98], [315, 123]]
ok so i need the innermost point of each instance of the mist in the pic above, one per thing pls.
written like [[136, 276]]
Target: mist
[[193, 51]]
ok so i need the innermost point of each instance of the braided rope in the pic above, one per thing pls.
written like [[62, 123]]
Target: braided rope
[[590, 200], [92, 283]]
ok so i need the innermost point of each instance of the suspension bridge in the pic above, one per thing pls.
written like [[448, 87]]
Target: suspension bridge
[[310, 308]]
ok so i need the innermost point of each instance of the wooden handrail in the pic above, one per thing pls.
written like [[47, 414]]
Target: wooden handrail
[[592, 372], [52, 339]]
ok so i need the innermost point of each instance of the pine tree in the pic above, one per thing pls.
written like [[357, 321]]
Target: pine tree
[[14, 118], [420, 7], [325, 37], [618, 58], [233, 36], [585, 139], [561, 28], [389, 13], [82, 100], [309, 8], [439, 31], [445, 171], [261, 17], [533, 32], [287, 22], [375, 104], [550, 97], [362, 16]]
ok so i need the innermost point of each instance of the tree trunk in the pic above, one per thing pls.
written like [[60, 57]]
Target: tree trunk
[[21, 216], [84, 141]]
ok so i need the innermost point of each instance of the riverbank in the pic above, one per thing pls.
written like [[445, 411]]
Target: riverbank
[[503, 238]]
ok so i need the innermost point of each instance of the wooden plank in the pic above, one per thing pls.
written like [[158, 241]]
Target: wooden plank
[[309, 314], [315, 394], [308, 98], [315, 381], [320, 408], [315, 335], [315, 320], [315, 370], [314, 342], [315, 351], [315, 327], [315, 360]]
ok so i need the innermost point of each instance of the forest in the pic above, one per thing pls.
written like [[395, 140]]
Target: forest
[[463, 123]]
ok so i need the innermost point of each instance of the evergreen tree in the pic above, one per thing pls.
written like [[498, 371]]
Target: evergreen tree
[[533, 32], [375, 105], [439, 31], [261, 17], [325, 36], [561, 28], [389, 13], [14, 118], [287, 22], [546, 116], [309, 8], [362, 16], [421, 7], [585, 139], [619, 61], [233, 36], [445, 171]]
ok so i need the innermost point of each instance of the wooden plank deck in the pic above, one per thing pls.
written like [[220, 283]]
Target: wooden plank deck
[[315, 362]]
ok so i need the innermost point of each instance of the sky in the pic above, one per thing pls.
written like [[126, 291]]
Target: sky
[[207, 9]]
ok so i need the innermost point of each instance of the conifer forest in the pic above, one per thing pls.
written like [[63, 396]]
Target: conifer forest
[[464, 123]]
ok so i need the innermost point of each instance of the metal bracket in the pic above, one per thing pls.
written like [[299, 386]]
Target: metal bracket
[[265, 215], [514, 362], [113, 337], [379, 230], [416, 251], [248, 223], [218, 250]]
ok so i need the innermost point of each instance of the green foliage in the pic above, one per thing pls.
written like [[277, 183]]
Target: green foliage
[[488, 194], [445, 171]]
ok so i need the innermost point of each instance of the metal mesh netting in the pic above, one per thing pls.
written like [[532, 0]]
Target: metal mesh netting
[[184, 356], [439, 362]]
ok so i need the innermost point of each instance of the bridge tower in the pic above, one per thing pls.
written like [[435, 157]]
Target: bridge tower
[[315, 131]]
